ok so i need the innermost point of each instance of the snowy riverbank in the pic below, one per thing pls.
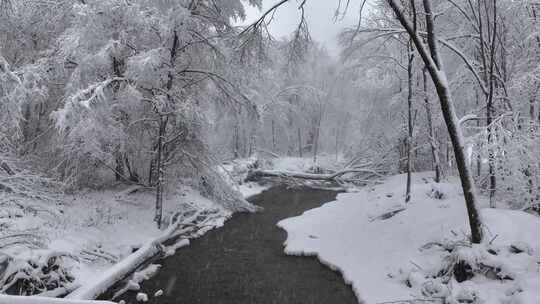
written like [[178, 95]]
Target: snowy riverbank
[[390, 251], [86, 234]]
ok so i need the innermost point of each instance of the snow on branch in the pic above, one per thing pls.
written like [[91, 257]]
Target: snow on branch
[[116, 273], [94, 92], [182, 227], [17, 87], [5, 299], [225, 86], [445, 42], [467, 117], [467, 62], [262, 21], [336, 177]]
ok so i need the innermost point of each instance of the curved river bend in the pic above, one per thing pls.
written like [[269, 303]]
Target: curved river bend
[[243, 262]]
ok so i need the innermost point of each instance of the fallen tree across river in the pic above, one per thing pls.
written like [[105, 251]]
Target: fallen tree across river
[[354, 175]]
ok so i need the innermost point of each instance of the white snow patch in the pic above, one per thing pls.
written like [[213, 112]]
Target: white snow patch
[[171, 250], [251, 189], [142, 297], [236, 171], [377, 248], [101, 230]]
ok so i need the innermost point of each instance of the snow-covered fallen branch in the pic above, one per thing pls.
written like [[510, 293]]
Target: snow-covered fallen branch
[[39, 272], [137, 278], [60, 291], [332, 177], [182, 226], [116, 272], [4, 299]]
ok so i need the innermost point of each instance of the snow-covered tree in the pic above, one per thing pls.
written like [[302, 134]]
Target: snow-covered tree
[[145, 73]]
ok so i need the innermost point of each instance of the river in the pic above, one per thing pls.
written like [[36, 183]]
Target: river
[[243, 262]]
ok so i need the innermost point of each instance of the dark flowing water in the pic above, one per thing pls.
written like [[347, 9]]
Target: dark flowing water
[[243, 262]]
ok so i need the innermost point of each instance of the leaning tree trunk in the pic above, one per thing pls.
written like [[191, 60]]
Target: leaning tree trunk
[[434, 66], [456, 138]]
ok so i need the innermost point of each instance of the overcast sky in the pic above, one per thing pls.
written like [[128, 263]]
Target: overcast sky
[[319, 15]]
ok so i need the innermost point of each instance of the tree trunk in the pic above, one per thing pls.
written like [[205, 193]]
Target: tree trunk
[[160, 175], [244, 142], [163, 120], [479, 156], [152, 169], [316, 146], [336, 177], [236, 141], [434, 66], [251, 142], [409, 120], [119, 168], [432, 137], [456, 138], [489, 110], [337, 143], [299, 143], [487, 38], [273, 136], [317, 136], [133, 176], [491, 156]]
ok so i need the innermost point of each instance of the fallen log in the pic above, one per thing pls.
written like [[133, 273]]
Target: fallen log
[[152, 249], [332, 177], [5, 299], [116, 273]]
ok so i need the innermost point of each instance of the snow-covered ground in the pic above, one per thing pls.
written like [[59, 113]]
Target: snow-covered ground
[[127, 225], [91, 231], [390, 251], [93, 235]]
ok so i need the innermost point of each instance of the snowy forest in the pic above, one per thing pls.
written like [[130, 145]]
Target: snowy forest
[[179, 151]]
